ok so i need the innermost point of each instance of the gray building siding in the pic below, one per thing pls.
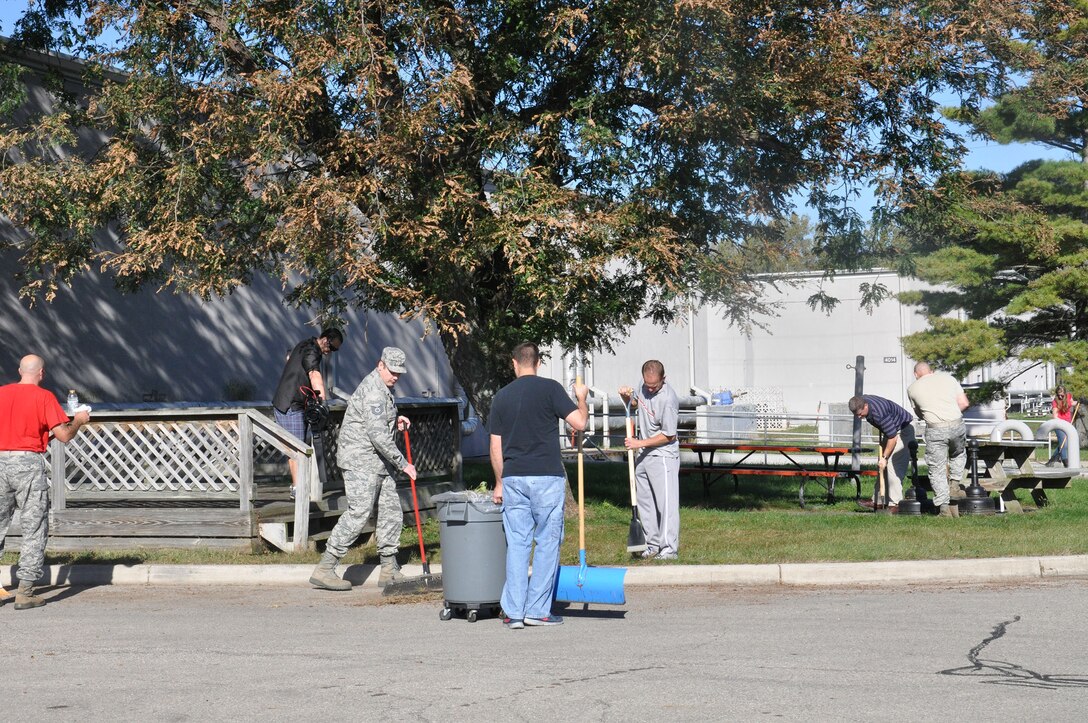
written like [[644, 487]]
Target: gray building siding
[[168, 347]]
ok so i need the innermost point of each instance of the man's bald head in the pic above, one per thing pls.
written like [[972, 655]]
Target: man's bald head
[[30, 368], [921, 369], [31, 364]]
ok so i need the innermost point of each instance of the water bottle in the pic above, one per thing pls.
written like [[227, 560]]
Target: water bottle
[[73, 401]]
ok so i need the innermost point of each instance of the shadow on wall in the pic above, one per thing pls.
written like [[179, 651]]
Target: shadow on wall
[[150, 346]]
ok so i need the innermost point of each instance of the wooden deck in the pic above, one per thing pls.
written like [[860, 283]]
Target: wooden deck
[[217, 478]]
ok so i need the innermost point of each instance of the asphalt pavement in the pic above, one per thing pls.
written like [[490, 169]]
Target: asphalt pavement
[[638, 575], [184, 652]]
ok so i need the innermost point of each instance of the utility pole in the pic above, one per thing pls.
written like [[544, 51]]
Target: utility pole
[[859, 388]]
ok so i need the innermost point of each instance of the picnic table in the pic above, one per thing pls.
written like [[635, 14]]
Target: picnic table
[[1008, 465], [790, 464]]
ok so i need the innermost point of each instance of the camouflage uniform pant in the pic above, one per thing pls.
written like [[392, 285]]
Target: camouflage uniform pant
[[363, 488], [23, 486]]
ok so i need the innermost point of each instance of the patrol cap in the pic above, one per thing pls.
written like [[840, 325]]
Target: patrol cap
[[393, 358]]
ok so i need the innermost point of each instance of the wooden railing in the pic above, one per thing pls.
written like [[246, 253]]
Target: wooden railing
[[191, 471]]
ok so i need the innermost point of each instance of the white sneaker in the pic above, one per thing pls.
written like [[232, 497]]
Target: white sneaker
[[648, 553], [665, 556]]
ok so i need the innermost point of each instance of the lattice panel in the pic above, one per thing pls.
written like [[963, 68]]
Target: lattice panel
[[435, 435], [436, 439], [768, 403], [265, 453], [333, 477], [155, 456]]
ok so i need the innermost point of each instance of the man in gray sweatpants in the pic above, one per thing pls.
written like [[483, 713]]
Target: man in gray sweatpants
[[657, 464]]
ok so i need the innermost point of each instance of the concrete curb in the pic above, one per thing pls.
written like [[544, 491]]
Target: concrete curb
[[703, 575], [829, 574], [156, 574]]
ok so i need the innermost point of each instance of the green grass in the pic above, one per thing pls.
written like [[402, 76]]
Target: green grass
[[759, 523], [762, 523]]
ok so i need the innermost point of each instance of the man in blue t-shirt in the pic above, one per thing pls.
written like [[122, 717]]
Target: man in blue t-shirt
[[896, 434], [531, 483]]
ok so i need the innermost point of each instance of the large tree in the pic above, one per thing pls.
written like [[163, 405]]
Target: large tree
[[1011, 250], [551, 170]]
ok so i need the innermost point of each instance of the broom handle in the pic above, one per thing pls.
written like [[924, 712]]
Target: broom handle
[[631, 461], [880, 476], [415, 503], [581, 489], [1072, 419]]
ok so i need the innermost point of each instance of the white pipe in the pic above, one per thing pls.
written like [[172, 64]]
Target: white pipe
[[567, 382], [606, 442], [1010, 425], [691, 359], [691, 353], [703, 393], [587, 379]]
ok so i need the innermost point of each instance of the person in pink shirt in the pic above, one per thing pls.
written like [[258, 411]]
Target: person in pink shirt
[[1064, 406]]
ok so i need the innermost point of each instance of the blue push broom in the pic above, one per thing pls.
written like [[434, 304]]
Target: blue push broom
[[584, 584]]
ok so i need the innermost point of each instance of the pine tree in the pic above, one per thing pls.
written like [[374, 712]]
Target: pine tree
[[1012, 249]]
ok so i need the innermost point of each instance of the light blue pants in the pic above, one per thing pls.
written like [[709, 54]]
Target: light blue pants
[[532, 512], [1061, 448]]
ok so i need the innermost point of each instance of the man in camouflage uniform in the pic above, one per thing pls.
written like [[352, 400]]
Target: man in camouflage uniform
[[369, 459], [28, 414]]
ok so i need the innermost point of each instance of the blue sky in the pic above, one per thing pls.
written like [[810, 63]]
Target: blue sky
[[981, 154], [986, 155]]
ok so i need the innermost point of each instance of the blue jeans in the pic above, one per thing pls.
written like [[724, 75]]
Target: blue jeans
[[1061, 450], [532, 510]]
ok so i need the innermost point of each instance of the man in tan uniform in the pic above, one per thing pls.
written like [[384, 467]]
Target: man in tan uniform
[[939, 400]]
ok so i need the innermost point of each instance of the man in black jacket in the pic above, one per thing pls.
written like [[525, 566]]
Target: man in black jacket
[[303, 369]]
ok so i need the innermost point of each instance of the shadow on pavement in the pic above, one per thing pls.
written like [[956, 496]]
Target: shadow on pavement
[[583, 610]]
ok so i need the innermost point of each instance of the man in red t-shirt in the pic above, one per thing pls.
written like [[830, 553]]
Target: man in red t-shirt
[[28, 414]]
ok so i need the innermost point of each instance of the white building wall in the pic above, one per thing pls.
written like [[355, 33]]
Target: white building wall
[[163, 346], [673, 347], [806, 355]]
